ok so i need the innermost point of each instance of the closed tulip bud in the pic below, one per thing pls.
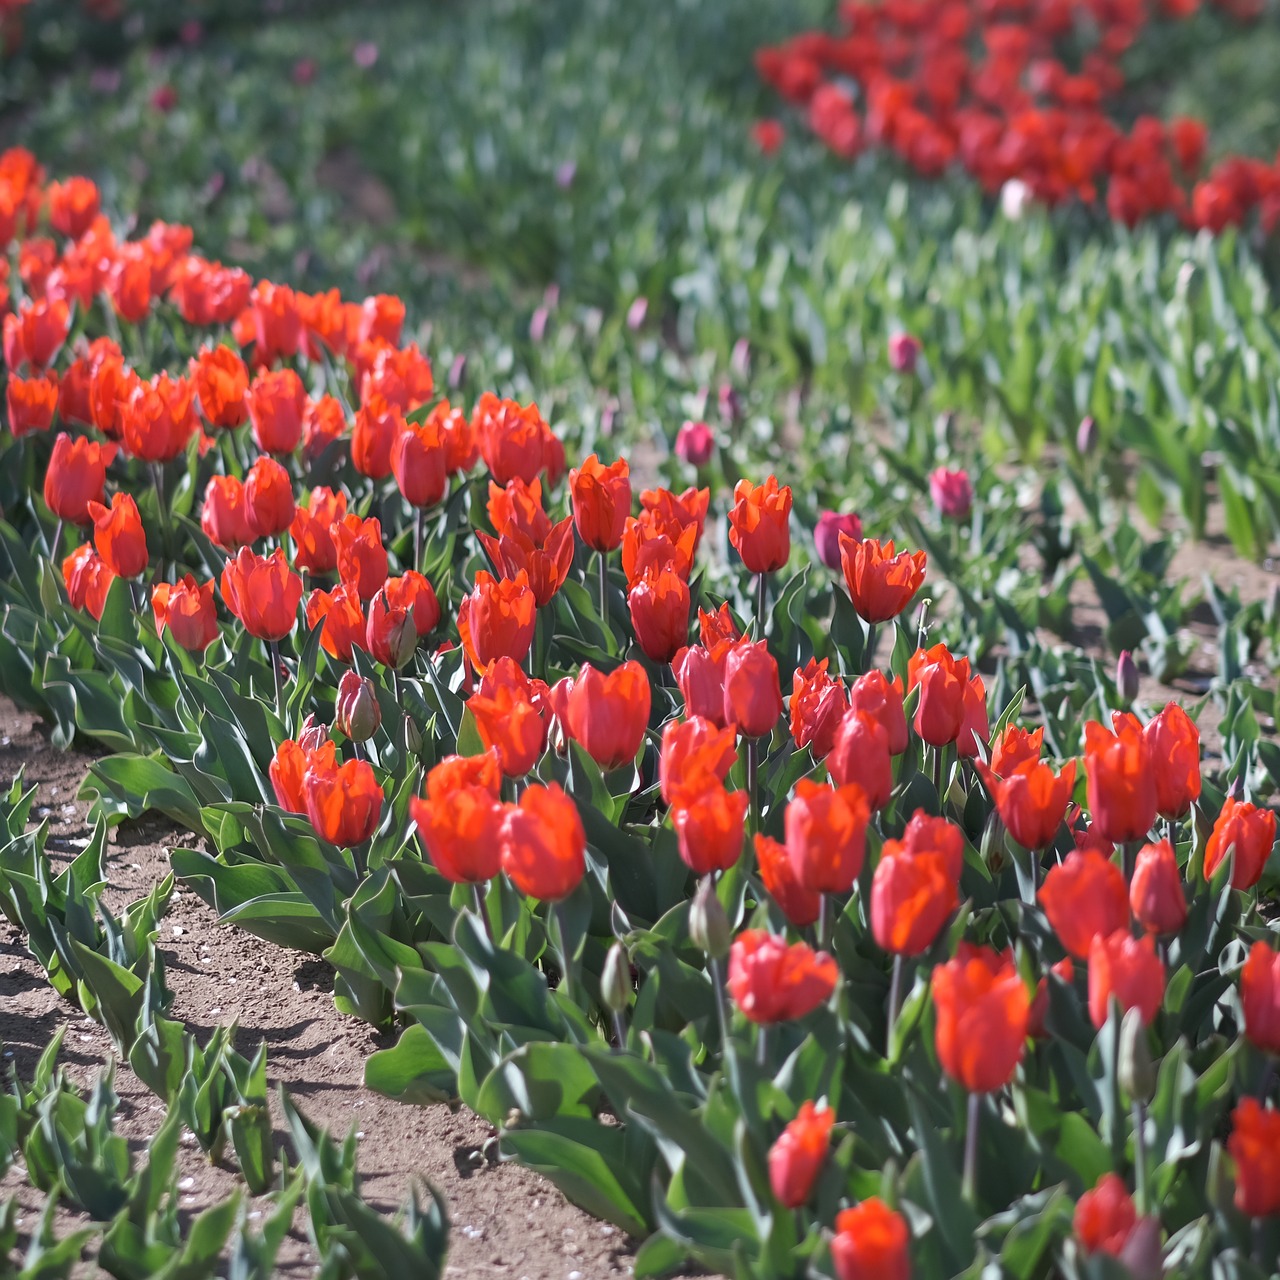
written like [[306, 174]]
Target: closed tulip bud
[[773, 982], [1128, 969], [752, 694], [344, 802], [904, 352], [872, 1242], [881, 582], [828, 531], [1136, 1073], [1260, 997], [543, 843], [268, 497], [710, 827], [419, 462], [119, 536], [695, 443], [952, 493], [615, 980], [1156, 896], [1086, 436], [942, 680], [313, 735], [912, 896], [797, 1157], [1126, 677], [1254, 1145], [759, 524], [1245, 832], [390, 636], [982, 1009], [1085, 897], [709, 929], [358, 712], [1105, 1217], [608, 715]]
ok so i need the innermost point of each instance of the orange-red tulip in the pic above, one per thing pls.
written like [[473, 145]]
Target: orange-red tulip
[[119, 536], [31, 403], [344, 620], [313, 544], [1122, 788], [262, 592], [1127, 968], [88, 578], [460, 821], [608, 715], [416, 596], [801, 906], [872, 1242], [1173, 743], [545, 560], [378, 425], [601, 502], [881, 583], [644, 546], [942, 680], [694, 751], [512, 716], [497, 619], [1014, 747], [752, 694], [1085, 897], [73, 206], [76, 476], [1248, 831], [419, 462], [513, 439], [759, 524], [268, 498], [399, 375], [913, 894], [1254, 1145], [659, 603], [159, 418], [323, 422], [1032, 800], [389, 634], [276, 401], [981, 1005], [876, 696], [860, 754], [344, 802], [1156, 896], [1260, 996], [34, 333], [187, 609], [699, 676], [221, 383], [826, 831], [543, 843], [797, 1157], [362, 559], [710, 826], [1105, 1217], [675, 513], [288, 769], [224, 515], [818, 704], [773, 982]]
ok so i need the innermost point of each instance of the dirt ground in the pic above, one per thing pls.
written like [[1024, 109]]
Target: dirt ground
[[506, 1221]]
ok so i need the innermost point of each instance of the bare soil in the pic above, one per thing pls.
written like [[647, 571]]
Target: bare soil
[[506, 1221]]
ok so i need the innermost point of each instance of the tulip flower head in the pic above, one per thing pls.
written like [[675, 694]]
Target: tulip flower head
[[1254, 1145], [982, 1011], [758, 524], [187, 609], [1128, 969], [1085, 897], [118, 535], [1246, 833], [608, 715], [771, 981], [1260, 997], [797, 1157], [543, 843], [1105, 1217], [828, 531], [881, 582], [871, 1241]]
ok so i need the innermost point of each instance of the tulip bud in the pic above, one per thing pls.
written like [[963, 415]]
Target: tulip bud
[[694, 443], [357, 714], [1137, 1075], [457, 372], [412, 736], [730, 403], [615, 980], [1086, 436], [904, 352], [313, 735], [740, 358], [1143, 1253], [1126, 677], [708, 925], [636, 313]]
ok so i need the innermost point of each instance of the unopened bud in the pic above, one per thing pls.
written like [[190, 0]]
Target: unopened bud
[[1086, 436], [412, 736], [1143, 1253], [730, 403], [740, 359], [313, 736], [1126, 677], [615, 980], [1137, 1075], [708, 924], [457, 372], [357, 714]]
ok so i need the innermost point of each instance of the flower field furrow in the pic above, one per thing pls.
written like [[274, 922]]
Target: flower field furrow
[[765, 880]]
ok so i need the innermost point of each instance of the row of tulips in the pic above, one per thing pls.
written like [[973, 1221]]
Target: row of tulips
[[1016, 94], [733, 917]]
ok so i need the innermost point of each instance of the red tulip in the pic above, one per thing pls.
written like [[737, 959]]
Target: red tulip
[[344, 620], [419, 462], [1260, 996], [497, 619], [276, 401], [881, 583], [752, 695], [76, 476], [221, 383], [262, 593], [158, 419], [601, 502], [659, 604], [1122, 790], [1127, 968], [514, 440], [268, 498], [344, 802], [876, 696], [88, 578], [1250, 832], [872, 1242], [1173, 743], [31, 403], [1013, 748], [913, 894], [1254, 1145], [694, 751], [710, 826], [608, 715], [460, 821], [543, 843], [1032, 801], [224, 515], [1156, 896], [288, 768], [982, 1008], [801, 906], [34, 333], [1105, 1217], [942, 680], [773, 982], [758, 524], [187, 609], [119, 536], [860, 754], [827, 835], [362, 559], [818, 704], [313, 545], [700, 678], [1085, 897], [511, 715], [797, 1157]]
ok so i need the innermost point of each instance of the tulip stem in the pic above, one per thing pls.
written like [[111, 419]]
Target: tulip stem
[[753, 780], [1130, 856], [969, 1187], [57, 541], [1171, 833], [762, 1045], [419, 536], [480, 910], [274, 648], [722, 1012], [1139, 1112], [824, 920], [604, 588], [157, 479], [620, 1031], [762, 597], [895, 1001], [869, 649], [937, 774]]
